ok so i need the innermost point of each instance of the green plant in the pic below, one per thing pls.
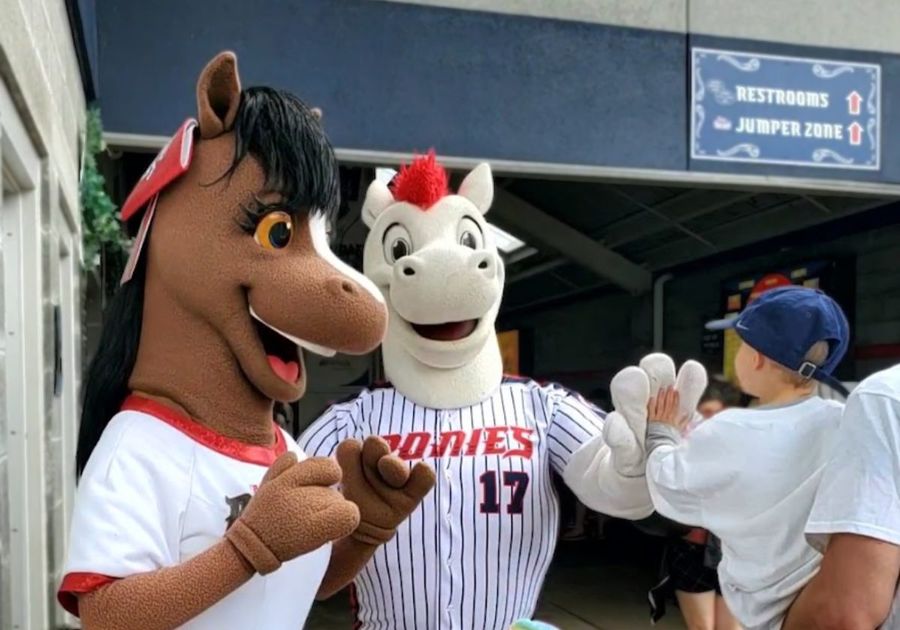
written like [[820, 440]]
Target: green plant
[[101, 230]]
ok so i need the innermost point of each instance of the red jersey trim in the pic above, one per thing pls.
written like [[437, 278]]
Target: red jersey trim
[[75, 584], [230, 447]]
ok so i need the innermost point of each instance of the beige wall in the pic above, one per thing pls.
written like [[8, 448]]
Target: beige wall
[[39, 67], [664, 15], [860, 24], [42, 114]]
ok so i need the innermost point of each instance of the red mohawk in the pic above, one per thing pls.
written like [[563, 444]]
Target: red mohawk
[[422, 183]]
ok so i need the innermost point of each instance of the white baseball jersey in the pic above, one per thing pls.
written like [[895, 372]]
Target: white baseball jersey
[[475, 553], [159, 489], [860, 489]]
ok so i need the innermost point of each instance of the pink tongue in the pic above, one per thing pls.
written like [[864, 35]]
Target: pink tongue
[[289, 371]]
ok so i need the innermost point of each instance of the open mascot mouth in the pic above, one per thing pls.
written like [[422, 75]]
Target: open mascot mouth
[[283, 351], [448, 331]]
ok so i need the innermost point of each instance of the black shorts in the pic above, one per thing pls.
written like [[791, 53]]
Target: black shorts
[[688, 571]]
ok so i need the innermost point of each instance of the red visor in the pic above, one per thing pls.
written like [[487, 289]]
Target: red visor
[[171, 163]]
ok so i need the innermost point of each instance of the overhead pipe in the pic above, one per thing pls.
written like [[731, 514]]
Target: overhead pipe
[[658, 310]]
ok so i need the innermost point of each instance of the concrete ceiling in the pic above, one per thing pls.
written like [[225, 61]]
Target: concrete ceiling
[[590, 235]]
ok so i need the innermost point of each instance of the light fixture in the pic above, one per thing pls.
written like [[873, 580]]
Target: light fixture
[[506, 242], [385, 175]]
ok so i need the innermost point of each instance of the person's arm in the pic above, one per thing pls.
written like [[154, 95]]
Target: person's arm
[[581, 455], [853, 589], [855, 520], [166, 598], [681, 472]]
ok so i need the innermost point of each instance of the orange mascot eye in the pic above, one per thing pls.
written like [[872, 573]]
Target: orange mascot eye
[[274, 230]]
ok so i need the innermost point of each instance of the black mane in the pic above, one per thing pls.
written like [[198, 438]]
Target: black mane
[[280, 131], [106, 385]]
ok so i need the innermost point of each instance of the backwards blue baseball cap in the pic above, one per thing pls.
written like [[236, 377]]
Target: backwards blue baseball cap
[[784, 323]]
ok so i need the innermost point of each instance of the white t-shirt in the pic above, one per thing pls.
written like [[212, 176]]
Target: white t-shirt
[[160, 488], [860, 490], [749, 476]]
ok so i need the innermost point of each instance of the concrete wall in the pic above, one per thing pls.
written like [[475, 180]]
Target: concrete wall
[[604, 87], [395, 77], [42, 121], [663, 15], [37, 59], [5, 590], [861, 25]]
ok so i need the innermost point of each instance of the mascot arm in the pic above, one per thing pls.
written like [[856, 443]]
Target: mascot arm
[[581, 454], [166, 598], [386, 491], [348, 557], [592, 475]]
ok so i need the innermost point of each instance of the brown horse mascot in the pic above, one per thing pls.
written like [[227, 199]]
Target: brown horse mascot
[[193, 508]]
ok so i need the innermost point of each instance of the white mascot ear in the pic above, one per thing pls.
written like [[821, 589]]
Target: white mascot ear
[[478, 187], [378, 197]]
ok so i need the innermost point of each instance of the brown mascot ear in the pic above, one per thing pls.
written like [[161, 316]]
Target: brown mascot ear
[[218, 95]]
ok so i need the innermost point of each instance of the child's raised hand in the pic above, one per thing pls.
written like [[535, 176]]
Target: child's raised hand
[[664, 408]]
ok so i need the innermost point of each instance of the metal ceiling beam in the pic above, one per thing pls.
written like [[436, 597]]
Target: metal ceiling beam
[[770, 222], [536, 270], [511, 311], [741, 232], [659, 214], [681, 207], [536, 226], [821, 205]]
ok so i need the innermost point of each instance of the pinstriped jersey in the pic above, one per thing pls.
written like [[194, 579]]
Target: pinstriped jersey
[[475, 552]]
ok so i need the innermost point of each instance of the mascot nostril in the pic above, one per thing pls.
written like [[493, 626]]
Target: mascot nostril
[[343, 288], [409, 271], [485, 263]]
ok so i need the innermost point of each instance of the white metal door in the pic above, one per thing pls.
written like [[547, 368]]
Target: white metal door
[[22, 482]]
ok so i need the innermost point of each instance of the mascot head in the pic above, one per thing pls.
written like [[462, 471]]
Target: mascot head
[[433, 257], [231, 277]]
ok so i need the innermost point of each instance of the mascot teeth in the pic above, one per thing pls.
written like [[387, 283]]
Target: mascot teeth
[[306, 345]]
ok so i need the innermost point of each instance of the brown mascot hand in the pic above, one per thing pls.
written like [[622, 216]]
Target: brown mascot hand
[[382, 486], [294, 511]]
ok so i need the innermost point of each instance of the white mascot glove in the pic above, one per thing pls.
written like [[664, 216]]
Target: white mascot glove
[[631, 389]]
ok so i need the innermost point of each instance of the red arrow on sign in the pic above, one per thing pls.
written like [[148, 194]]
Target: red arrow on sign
[[853, 101], [855, 133]]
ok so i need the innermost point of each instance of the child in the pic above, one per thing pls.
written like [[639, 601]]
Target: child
[[750, 476], [690, 562]]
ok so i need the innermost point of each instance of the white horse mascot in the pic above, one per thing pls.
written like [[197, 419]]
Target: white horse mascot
[[475, 553]]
